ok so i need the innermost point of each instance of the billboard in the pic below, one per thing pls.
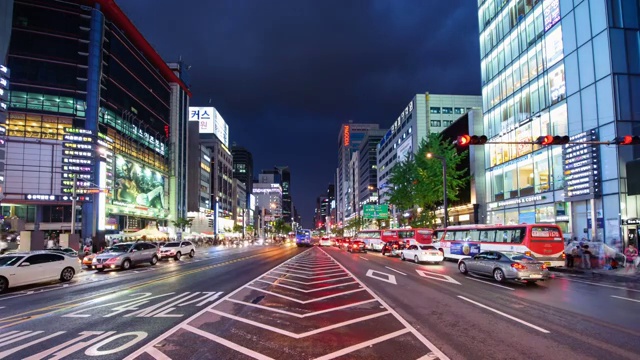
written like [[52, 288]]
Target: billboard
[[220, 128], [204, 116], [138, 186]]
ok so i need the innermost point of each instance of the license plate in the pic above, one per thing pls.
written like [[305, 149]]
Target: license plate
[[536, 276], [98, 266], [548, 263]]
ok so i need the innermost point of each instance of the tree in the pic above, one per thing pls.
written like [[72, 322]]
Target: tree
[[416, 184], [237, 228], [280, 227], [182, 223], [357, 223], [249, 230]]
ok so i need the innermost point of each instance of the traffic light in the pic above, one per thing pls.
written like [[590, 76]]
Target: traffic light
[[627, 140], [552, 140], [466, 140]]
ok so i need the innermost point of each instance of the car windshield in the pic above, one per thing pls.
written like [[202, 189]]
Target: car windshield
[[171, 244], [120, 247], [10, 260], [427, 247], [514, 256]]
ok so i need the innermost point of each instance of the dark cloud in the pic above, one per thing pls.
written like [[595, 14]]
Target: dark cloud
[[286, 74]]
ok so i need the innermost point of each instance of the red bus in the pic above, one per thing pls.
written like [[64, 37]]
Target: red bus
[[542, 241], [408, 236]]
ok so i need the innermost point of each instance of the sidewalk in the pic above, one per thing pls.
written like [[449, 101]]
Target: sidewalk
[[618, 275]]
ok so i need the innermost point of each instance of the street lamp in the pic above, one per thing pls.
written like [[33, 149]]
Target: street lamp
[[444, 184]]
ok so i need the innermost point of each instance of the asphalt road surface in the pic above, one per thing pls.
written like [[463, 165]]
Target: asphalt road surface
[[278, 302]]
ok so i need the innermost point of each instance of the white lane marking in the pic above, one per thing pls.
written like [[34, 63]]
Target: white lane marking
[[363, 345], [305, 276], [184, 325], [156, 354], [303, 301], [436, 276], [363, 258], [306, 291], [624, 298], [391, 279], [505, 315], [219, 340], [404, 322], [310, 282], [603, 285], [398, 271], [488, 283], [304, 334], [300, 316]]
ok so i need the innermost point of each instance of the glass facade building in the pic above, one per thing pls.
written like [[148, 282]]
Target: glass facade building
[[560, 67], [84, 65]]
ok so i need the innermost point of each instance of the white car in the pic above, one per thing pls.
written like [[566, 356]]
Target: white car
[[325, 241], [177, 249], [422, 253], [25, 268]]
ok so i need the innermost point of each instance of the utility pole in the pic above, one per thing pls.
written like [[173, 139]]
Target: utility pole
[[73, 205]]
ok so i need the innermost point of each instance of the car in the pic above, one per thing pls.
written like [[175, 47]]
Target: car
[[503, 266], [356, 246], [326, 241], [177, 249], [422, 253], [25, 268], [65, 251], [392, 248], [125, 255]]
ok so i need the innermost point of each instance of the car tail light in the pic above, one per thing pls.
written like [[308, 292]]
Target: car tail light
[[528, 253], [518, 266], [564, 256], [543, 266], [355, 246]]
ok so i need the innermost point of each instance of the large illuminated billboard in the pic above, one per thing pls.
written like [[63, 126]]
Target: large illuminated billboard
[[210, 122], [138, 186]]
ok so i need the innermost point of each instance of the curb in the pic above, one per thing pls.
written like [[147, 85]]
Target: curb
[[598, 275]]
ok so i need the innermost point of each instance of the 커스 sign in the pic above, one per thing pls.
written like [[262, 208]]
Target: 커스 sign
[[516, 201]]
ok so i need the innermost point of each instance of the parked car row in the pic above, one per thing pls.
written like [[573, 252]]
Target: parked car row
[[125, 255], [25, 268]]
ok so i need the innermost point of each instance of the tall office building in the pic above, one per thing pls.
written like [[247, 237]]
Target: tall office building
[[243, 166], [349, 139], [76, 109], [562, 68], [367, 187], [282, 176], [425, 114]]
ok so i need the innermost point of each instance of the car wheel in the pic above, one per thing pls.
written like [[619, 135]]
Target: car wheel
[[192, 253], [154, 260], [100, 270], [498, 275], [402, 257], [463, 268], [178, 255], [126, 265], [67, 274], [4, 284], [416, 260]]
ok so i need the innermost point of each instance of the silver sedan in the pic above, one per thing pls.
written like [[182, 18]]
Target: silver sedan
[[505, 266]]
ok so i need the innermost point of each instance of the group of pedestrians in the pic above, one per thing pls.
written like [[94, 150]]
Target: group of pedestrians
[[581, 251]]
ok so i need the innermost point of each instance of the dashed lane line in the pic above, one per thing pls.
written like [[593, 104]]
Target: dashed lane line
[[505, 315], [363, 258], [603, 285], [488, 283], [624, 298]]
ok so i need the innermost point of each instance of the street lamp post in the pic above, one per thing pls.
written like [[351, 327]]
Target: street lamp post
[[444, 185]]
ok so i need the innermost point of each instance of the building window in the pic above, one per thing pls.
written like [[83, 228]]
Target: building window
[[436, 123], [447, 110], [37, 126], [458, 111], [434, 110]]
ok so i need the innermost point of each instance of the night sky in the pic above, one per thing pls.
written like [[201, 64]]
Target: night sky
[[285, 74]]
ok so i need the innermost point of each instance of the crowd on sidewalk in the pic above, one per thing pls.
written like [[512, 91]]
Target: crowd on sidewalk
[[607, 258]]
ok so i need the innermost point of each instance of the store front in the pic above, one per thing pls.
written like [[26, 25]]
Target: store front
[[630, 230], [542, 208]]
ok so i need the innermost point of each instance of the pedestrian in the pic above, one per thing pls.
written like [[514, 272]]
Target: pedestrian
[[631, 254], [569, 256], [585, 257]]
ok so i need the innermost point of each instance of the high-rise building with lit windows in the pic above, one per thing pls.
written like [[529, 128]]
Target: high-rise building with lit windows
[[562, 67]]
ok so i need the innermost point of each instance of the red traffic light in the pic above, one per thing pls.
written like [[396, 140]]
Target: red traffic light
[[465, 140], [627, 140], [552, 140]]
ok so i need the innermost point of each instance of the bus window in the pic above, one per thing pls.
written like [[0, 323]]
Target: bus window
[[474, 234], [450, 235], [437, 236], [487, 235], [517, 235]]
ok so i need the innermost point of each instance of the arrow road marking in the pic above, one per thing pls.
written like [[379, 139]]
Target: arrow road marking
[[391, 279], [304, 301], [307, 291], [310, 282], [399, 272], [300, 316]]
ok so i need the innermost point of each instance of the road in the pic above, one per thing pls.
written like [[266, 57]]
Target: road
[[320, 303]]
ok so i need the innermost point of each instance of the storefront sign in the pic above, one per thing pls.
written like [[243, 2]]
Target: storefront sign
[[582, 168], [40, 197], [551, 13], [633, 221], [77, 161], [77, 138], [562, 218], [78, 198], [88, 177], [79, 131], [77, 146], [516, 201]]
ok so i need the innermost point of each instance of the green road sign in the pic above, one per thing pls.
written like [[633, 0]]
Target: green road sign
[[375, 212]]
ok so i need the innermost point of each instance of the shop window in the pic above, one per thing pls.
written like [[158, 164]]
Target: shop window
[[510, 182], [511, 217], [545, 214], [558, 173], [557, 87], [526, 177], [541, 172], [37, 126]]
